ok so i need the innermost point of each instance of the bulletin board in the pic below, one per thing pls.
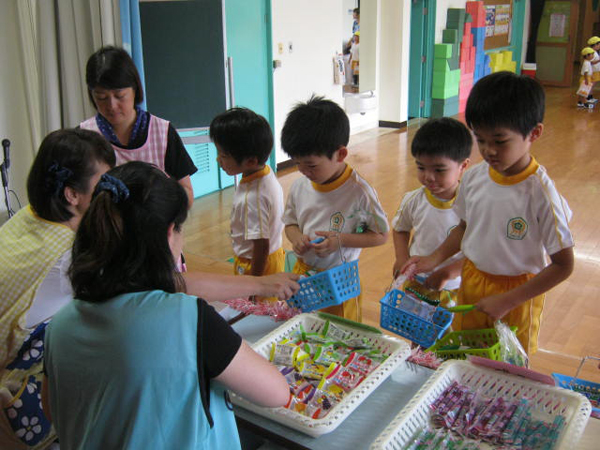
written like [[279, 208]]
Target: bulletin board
[[498, 23]]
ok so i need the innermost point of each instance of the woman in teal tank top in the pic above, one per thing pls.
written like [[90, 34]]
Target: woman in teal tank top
[[133, 363]]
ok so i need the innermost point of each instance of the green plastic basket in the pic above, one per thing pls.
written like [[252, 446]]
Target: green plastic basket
[[483, 343]]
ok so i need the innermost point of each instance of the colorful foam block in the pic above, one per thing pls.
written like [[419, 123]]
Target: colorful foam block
[[496, 59], [477, 12], [446, 79], [454, 63], [444, 92], [450, 36], [455, 16], [442, 50], [440, 65], [444, 108]]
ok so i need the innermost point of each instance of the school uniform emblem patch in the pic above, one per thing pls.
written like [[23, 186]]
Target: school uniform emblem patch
[[336, 222], [517, 228]]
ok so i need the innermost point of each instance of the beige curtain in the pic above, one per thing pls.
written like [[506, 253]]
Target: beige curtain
[[56, 39]]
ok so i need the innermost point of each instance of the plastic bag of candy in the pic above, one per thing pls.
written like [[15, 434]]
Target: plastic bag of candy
[[511, 350]]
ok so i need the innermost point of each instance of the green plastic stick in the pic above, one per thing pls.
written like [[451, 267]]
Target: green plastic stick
[[348, 322], [461, 308]]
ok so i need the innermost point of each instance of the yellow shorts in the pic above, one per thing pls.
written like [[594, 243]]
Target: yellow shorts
[[275, 264], [595, 77], [350, 309], [477, 285]]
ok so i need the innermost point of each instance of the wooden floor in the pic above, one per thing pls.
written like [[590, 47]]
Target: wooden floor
[[571, 320]]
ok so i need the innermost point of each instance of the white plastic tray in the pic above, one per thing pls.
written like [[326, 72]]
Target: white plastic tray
[[397, 350], [547, 401]]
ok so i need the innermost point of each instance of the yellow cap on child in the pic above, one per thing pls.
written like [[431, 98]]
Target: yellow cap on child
[[587, 51], [593, 40]]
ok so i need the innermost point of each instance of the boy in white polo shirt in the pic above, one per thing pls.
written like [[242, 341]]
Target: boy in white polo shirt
[[244, 142], [441, 148], [512, 216], [332, 200]]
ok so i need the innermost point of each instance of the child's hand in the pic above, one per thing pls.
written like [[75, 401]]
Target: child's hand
[[397, 269], [330, 245], [281, 285], [495, 306], [301, 245], [437, 280], [417, 264]]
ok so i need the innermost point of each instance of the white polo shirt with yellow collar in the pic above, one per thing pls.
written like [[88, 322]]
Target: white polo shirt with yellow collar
[[256, 213], [430, 220], [347, 205], [514, 222]]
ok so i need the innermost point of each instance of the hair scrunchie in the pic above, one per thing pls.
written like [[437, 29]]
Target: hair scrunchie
[[118, 190], [57, 176]]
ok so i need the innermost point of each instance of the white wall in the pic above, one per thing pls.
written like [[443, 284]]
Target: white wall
[[394, 60], [314, 28], [14, 124]]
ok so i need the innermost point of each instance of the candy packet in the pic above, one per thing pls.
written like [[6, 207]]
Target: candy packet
[[320, 404], [317, 371], [333, 332], [287, 354]]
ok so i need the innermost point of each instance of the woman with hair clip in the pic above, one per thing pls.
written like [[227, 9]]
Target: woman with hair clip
[[132, 362], [35, 253]]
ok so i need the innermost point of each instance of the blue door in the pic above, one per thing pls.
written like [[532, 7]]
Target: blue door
[[248, 31], [422, 35]]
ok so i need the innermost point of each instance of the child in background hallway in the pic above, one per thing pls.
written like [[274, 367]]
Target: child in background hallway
[[441, 149], [332, 200], [512, 216], [244, 142], [586, 81], [594, 44], [355, 57]]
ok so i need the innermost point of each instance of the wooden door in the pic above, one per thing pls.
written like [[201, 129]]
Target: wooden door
[[555, 47]]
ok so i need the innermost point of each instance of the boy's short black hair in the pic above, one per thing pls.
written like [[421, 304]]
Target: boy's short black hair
[[506, 100], [242, 134], [443, 137], [318, 127], [112, 68]]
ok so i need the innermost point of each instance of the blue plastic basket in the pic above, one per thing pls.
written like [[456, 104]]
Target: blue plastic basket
[[330, 287], [583, 387], [411, 326]]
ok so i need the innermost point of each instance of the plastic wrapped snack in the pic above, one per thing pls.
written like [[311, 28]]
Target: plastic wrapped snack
[[511, 350]]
